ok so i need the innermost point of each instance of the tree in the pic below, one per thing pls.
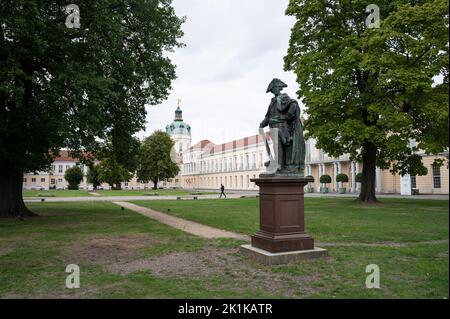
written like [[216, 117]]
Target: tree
[[113, 173], [155, 163], [73, 176], [118, 159], [325, 179], [342, 178], [369, 91], [70, 88], [93, 176]]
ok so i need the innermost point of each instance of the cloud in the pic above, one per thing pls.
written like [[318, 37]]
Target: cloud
[[233, 50]]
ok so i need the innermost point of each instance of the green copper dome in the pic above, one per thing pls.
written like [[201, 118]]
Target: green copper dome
[[178, 126]]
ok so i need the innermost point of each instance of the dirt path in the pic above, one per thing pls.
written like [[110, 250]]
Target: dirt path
[[185, 225]]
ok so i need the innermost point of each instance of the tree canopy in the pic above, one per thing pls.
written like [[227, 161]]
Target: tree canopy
[[155, 162], [118, 156], [369, 91], [73, 176], [93, 176], [71, 88], [112, 173]]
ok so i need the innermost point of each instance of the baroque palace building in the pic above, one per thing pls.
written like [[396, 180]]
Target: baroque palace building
[[206, 165]]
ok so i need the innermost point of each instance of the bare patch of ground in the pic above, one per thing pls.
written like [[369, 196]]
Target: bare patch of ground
[[231, 270], [110, 249]]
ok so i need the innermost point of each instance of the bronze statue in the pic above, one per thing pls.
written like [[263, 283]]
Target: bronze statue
[[283, 119]]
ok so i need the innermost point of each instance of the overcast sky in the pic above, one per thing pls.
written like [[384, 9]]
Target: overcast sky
[[233, 50]]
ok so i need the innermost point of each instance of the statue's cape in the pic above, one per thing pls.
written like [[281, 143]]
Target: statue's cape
[[298, 141]]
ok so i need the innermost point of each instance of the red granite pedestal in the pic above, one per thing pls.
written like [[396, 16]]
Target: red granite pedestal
[[282, 226]]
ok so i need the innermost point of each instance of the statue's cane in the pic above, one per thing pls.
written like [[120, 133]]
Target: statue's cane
[[263, 135]]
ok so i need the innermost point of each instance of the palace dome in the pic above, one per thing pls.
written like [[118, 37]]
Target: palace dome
[[178, 126]]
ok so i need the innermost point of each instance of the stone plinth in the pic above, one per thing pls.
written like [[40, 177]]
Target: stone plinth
[[269, 258], [282, 227]]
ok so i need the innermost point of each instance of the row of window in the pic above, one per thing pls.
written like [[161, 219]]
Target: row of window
[[61, 168], [226, 164], [228, 181], [436, 171], [436, 175], [52, 180]]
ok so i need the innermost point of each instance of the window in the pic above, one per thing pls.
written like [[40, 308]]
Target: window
[[59, 180], [67, 166], [24, 180], [413, 182], [42, 180], [60, 168], [436, 176], [52, 181], [33, 180], [53, 168]]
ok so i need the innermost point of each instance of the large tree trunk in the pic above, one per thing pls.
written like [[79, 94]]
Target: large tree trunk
[[369, 157], [11, 201], [155, 183]]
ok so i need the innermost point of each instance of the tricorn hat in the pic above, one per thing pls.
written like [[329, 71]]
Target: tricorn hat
[[275, 82]]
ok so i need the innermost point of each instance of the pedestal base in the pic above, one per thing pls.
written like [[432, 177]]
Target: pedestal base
[[276, 243], [281, 209], [268, 258]]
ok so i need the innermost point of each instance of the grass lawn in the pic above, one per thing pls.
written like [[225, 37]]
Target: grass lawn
[[80, 193], [122, 254], [56, 193], [327, 219]]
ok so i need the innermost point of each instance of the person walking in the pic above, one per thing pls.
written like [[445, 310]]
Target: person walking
[[222, 191]]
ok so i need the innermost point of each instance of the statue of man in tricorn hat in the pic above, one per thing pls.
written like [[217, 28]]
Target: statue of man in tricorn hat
[[283, 116]]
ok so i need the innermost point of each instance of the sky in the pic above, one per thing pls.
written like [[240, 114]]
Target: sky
[[234, 48]]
